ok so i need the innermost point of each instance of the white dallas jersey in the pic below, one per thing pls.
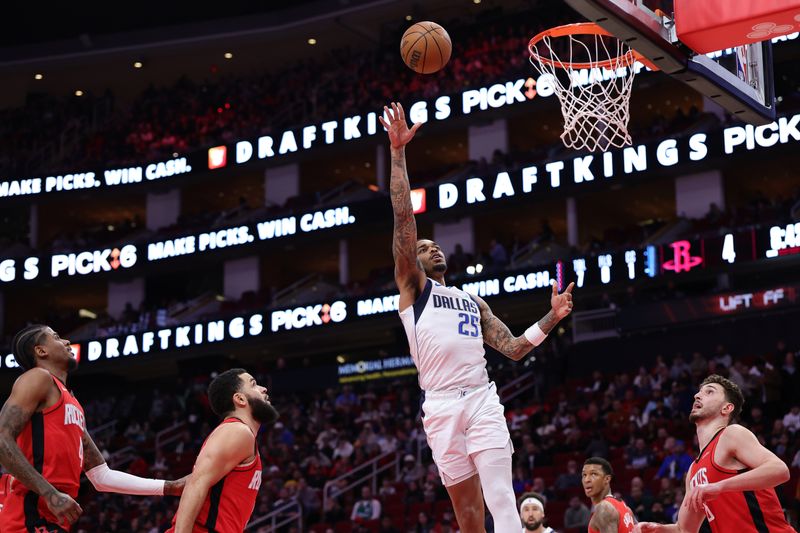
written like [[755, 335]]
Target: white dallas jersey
[[445, 338]]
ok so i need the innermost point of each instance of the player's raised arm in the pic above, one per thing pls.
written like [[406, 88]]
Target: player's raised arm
[[409, 276], [226, 448], [497, 335], [30, 391]]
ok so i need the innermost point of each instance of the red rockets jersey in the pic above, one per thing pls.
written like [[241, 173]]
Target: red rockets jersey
[[744, 512], [230, 503], [626, 520], [52, 443], [5, 488]]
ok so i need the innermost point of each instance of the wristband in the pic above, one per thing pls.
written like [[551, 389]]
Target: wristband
[[535, 335]]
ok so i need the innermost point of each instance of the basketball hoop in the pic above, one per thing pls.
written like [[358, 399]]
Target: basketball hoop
[[593, 83]]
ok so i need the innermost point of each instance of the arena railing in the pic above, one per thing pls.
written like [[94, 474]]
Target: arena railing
[[594, 325], [169, 435], [122, 457], [372, 468], [514, 388], [285, 296], [670, 232], [109, 429], [276, 519], [794, 212]]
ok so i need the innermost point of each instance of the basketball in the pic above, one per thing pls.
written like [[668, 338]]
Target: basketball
[[425, 47]]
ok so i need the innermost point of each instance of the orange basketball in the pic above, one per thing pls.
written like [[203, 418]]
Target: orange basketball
[[425, 47]]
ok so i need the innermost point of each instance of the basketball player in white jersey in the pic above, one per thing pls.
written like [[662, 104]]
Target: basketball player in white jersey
[[531, 512], [446, 329]]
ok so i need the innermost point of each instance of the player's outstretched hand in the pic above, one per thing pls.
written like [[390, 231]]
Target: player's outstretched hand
[[562, 303], [646, 527], [175, 488], [63, 506], [395, 124]]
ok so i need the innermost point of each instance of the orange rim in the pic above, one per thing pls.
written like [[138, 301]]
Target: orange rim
[[585, 28]]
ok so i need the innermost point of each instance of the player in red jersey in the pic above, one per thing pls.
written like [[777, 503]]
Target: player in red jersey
[[732, 482], [5, 488], [221, 492], [44, 443], [610, 515]]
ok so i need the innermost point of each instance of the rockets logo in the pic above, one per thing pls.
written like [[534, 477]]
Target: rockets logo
[[683, 261]]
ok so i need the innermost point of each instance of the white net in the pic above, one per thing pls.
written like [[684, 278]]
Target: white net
[[593, 83]]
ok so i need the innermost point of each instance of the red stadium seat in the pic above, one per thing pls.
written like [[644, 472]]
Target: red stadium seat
[[423, 507], [549, 473], [567, 494], [555, 513], [788, 490], [395, 509], [441, 507], [373, 525], [618, 464], [562, 458], [345, 526], [399, 518]]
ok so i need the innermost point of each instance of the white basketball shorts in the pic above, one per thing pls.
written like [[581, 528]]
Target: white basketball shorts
[[459, 423]]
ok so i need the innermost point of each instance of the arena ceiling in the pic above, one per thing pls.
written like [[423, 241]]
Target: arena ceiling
[[75, 47], [70, 20]]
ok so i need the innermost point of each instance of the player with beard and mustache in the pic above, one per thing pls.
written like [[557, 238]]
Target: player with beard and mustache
[[531, 512], [221, 492], [732, 482], [446, 329], [44, 443]]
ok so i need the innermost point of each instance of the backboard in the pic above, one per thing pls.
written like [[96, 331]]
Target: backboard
[[741, 80]]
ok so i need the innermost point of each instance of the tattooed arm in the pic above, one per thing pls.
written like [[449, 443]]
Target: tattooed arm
[[497, 335], [30, 391], [605, 518], [409, 276]]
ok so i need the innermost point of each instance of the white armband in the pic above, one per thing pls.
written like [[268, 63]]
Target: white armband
[[106, 480], [535, 335]]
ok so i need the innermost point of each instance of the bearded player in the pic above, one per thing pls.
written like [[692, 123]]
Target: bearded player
[[531, 512], [609, 515], [44, 444], [221, 492], [446, 328], [732, 482]]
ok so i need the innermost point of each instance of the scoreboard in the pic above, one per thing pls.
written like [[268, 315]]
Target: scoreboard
[[682, 256]]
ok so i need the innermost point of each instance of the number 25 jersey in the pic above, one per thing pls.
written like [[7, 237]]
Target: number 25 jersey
[[445, 339]]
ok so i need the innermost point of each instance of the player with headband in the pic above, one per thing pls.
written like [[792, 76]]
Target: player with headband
[[531, 512]]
